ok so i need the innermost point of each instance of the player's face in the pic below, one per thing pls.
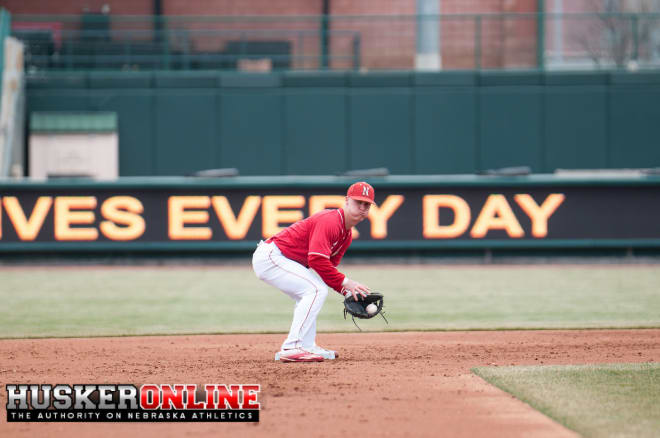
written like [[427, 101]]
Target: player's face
[[358, 210]]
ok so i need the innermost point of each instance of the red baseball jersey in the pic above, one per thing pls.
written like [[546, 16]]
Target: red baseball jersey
[[318, 242]]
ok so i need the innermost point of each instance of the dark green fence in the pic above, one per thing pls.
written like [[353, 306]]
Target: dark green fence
[[328, 123]]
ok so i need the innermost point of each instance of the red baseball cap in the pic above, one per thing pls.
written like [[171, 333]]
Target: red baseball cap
[[361, 191]]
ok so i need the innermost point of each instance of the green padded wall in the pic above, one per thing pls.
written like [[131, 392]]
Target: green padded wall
[[137, 150], [381, 123], [100, 80], [576, 127], [635, 126], [510, 127], [175, 123], [315, 132], [194, 79], [251, 131], [52, 100], [59, 80], [445, 130], [186, 131]]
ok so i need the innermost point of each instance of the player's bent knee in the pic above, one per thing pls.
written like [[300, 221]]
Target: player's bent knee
[[258, 272], [317, 290]]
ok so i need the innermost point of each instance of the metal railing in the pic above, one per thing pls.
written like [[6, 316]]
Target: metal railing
[[465, 41]]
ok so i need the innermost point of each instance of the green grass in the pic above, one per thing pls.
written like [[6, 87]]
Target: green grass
[[616, 400], [160, 300]]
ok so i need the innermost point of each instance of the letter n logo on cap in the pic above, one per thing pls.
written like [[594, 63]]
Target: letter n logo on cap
[[361, 191]]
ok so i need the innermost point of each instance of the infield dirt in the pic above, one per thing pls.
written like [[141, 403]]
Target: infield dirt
[[387, 384]]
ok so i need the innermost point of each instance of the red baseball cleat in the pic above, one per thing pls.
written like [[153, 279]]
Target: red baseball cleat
[[299, 355]]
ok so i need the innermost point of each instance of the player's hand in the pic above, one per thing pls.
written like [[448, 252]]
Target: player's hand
[[353, 288]]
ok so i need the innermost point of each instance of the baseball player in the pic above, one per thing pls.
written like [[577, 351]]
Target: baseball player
[[301, 261]]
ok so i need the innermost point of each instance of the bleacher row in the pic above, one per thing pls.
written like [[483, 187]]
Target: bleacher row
[[42, 52]]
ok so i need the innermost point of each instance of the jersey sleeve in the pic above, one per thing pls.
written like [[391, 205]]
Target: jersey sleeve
[[324, 234], [326, 270]]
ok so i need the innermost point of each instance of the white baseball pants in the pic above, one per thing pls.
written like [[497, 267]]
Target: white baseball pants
[[303, 285]]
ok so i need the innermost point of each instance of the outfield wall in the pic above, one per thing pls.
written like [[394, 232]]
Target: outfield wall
[[434, 213], [324, 123]]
